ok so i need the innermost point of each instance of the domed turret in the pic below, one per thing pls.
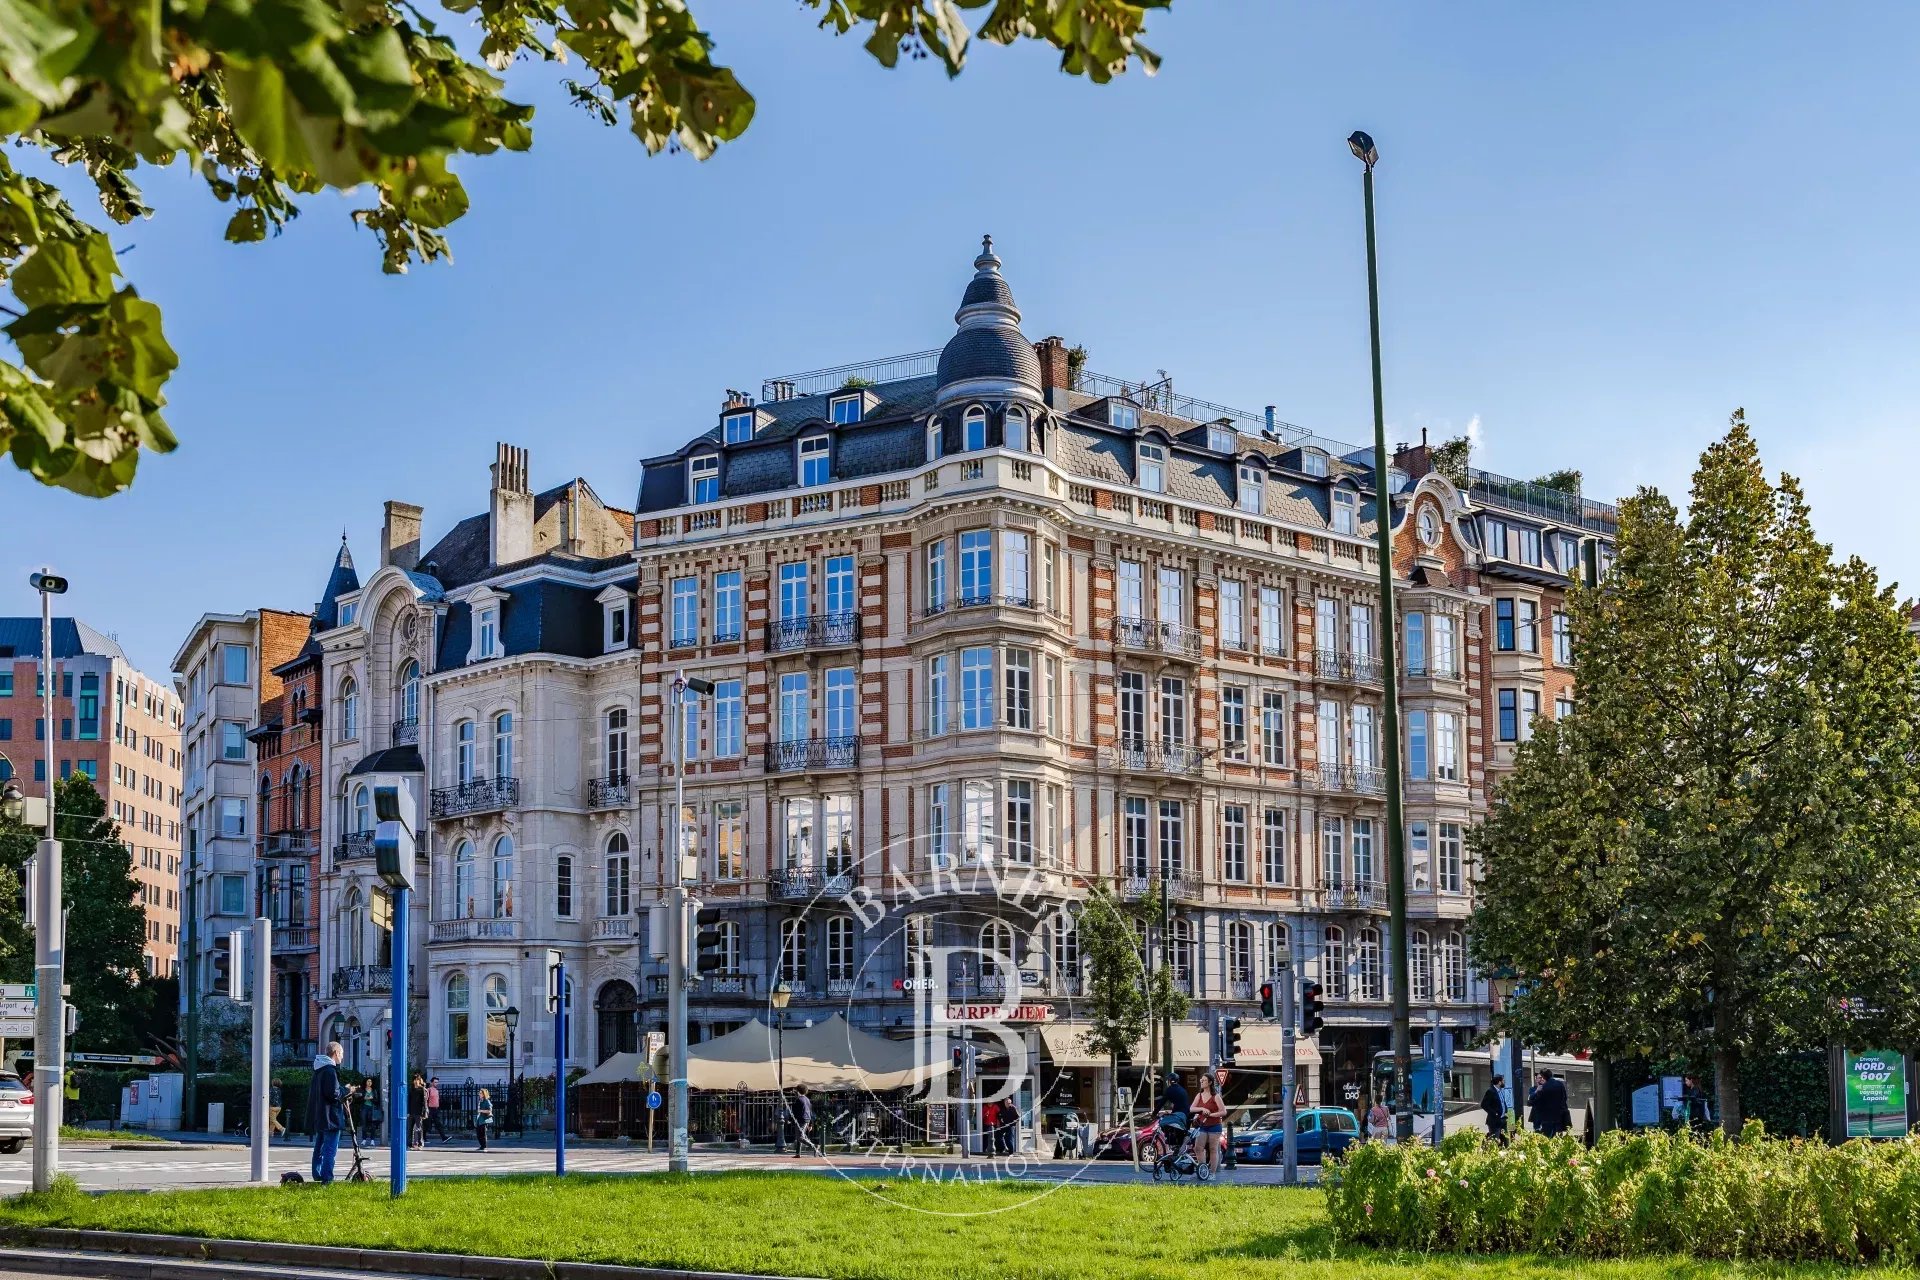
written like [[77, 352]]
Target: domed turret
[[989, 356]]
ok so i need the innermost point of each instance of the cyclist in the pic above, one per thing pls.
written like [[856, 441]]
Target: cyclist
[[1174, 1111]]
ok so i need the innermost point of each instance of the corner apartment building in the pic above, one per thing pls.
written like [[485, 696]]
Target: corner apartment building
[[116, 726], [961, 610]]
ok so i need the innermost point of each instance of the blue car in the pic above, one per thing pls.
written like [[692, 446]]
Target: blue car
[[1323, 1131]]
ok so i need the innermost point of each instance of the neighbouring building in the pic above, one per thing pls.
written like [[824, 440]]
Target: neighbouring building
[[963, 609], [118, 727]]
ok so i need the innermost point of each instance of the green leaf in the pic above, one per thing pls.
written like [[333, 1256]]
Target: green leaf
[[247, 225], [66, 271]]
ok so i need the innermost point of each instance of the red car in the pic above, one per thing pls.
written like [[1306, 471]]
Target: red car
[[1117, 1144]]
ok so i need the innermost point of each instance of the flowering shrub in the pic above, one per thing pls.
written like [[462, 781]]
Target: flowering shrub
[[1645, 1193]]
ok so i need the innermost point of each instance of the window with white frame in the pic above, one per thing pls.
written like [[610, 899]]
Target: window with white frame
[[1131, 687], [1173, 838], [1330, 737], [1222, 439], [1529, 712], [1333, 851], [1134, 837], [617, 876], [1253, 488], [838, 585], [793, 952], [1182, 953], [1567, 553], [936, 575], [349, 709], [503, 745], [1414, 631], [814, 467], [1313, 462], [836, 826], [1366, 958], [486, 636], [973, 429], [1151, 467], [1562, 708], [1279, 946], [1446, 661], [795, 707], [738, 427], [976, 821], [1050, 698], [1273, 845], [730, 841], [976, 567], [938, 694], [839, 703], [458, 1003], [1453, 964], [729, 704], [1233, 722], [1360, 849], [1240, 952], [795, 598], [1528, 541], [1527, 625], [799, 834], [614, 628], [840, 949], [616, 745], [1333, 963], [1015, 432], [1063, 934], [1233, 843], [1419, 758], [1366, 740], [1049, 578], [1123, 414], [1562, 638], [1233, 614], [1446, 746], [1452, 856], [1345, 506], [703, 478], [1172, 596], [1019, 821], [846, 409], [1420, 965], [1173, 710], [1019, 682], [1272, 634], [730, 946], [1132, 599], [976, 688], [684, 597], [917, 937], [466, 752], [728, 612], [1016, 566], [1360, 630], [1273, 728], [503, 878], [1494, 533], [939, 824], [1326, 624]]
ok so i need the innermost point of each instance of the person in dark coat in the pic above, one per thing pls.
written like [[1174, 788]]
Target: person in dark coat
[[325, 1113], [1496, 1108], [1548, 1102]]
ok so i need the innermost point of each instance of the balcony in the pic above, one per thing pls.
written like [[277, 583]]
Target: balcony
[[1362, 780], [1240, 989], [474, 930], [819, 631], [1158, 637], [287, 938], [841, 987], [363, 980], [803, 754], [1143, 754], [799, 884], [406, 733], [609, 793], [286, 844], [1180, 887], [1368, 895], [480, 795], [1348, 668], [354, 846], [728, 984], [615, 929]]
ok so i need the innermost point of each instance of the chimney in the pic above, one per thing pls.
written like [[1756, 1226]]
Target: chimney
[[1054, 373], [576, 540], [510, 512], [737, 399], [1415, 460], [400, 536], [782, 388]]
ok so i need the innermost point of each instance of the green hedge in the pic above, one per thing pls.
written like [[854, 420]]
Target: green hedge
[[1648, 1193]]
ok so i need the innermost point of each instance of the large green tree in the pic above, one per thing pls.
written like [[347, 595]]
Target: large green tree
[[106, 924], [1714, 856], [271, 101], [1116, 998]]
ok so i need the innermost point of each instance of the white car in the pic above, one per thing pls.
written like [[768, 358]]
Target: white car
[[16, 1114]]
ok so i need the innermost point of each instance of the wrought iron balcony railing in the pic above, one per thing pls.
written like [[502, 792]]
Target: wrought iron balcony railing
[[355, 844], [818, 631], [362, 980], [1158, 755], [480, 795], [1351, 668], [286, 844], [609, 793], [813, 753], [1181, 887], [406, 732], [1164, 637], [800, 883]]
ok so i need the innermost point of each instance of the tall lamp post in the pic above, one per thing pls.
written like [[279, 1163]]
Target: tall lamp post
[[512, 1018], [1505, 983], [1363, 148], [781, 994], [49, 934]]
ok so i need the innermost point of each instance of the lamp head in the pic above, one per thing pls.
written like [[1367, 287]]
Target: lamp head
[[512, 1017], [782, 993], [13, 801], [1362, 145]]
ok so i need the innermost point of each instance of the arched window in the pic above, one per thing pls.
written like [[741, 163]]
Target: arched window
[[362, 809], [618, 898], [1367, 963], [1016, 430], [464, 762], [998, 963], [1240, 952], [934, 431], [1183, 952], [973, 429], [563, 886], [616, 1010], [1420, 965], [617, 746], [496, 1000], [503, 745], [457, 1006], [1454, 966], [840, 949], [503, 878], [730, 946], [266, 805], [349, 709], [406, 697], [353, 928], [1333, 964], [296, 807], [1279, 946], [1064, 949], [793, 952], [463, 886], [918, 937]]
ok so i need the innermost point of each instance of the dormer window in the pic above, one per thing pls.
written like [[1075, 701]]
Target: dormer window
[[616, 614], [1151, 467], [933, 440], [1494, 533], [1016, 432], [813, 461], [348, 610], [1123, 414], [846, 409], [1345, 508], [1567, 553], [973, 429], [1223, 439], [737, 427], [1313, 462], [486, 632], [1253, 488], [703, 478]]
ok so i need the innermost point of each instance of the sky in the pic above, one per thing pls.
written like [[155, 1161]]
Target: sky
[[1602, 229]]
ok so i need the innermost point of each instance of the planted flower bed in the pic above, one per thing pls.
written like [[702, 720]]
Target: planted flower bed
[[1647, 1193]]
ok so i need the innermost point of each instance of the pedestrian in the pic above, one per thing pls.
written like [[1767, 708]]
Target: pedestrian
[[802, 1112], [325, 1114], [1379, 1121], [273, 1111], [1210, 1123], [482, 1117], [417, 1112], [433, 1109], [1009, 1127], [370, 1113], [1548, 1102], [1495, 1106]]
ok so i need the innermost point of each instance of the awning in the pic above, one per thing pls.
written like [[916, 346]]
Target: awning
[[830, 1055], [1260, 1047], [621, 1068], [1066, 1045], [1190, 1047]]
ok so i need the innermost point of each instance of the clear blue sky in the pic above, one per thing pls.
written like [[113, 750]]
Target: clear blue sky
[[1602, 229]]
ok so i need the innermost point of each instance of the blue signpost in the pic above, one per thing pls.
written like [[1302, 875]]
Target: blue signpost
[[557, 1001], [393, 854]]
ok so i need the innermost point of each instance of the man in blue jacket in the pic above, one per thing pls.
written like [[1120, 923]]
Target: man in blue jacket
[[325, 1115]]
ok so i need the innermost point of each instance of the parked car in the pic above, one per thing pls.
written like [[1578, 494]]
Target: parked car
[[1117, 1143], [16, 1113], [1322, 1130]]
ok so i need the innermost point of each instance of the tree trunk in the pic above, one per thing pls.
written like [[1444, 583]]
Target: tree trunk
[[1726, 1089]]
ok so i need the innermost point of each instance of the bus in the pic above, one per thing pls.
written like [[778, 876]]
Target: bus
[[1472, 1072]]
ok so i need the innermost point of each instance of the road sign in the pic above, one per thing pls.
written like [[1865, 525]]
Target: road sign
[[653, 1099], [16, 991], [16, 1028], [16, 1008]]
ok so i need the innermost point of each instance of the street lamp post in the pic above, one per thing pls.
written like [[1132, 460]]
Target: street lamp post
[[1363, 148], [512, 1019], [781, 994], [1504, 983], [49, 934], [677, 877]]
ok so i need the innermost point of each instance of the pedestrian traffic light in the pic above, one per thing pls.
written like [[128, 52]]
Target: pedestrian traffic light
[[1310, 1009], [708, 940], [227, 969], [1266, 1000], [1229, 1041]]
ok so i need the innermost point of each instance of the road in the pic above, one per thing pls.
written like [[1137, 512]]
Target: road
[[161, 1166]]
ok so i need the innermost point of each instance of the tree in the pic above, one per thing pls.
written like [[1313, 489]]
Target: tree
[[1451, 458], [271, 101], [106, 925], [1566, 480], [1712, 858], [1110, 940]]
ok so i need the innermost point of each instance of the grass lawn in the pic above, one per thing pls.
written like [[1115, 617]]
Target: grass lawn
[[820, 1226], [72, 1133]]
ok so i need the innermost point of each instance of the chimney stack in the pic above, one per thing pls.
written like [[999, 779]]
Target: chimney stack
[[400, 535], [510, 511], [782, 388], [737, 399], [1054, 371]]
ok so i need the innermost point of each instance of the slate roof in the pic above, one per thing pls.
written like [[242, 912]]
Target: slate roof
[[995, 351], [20, 638]]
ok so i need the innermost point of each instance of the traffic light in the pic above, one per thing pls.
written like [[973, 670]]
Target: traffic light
[[1266, 1000], [1229, 1041], [709, 953], [225, 971], [1310, 1009]]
